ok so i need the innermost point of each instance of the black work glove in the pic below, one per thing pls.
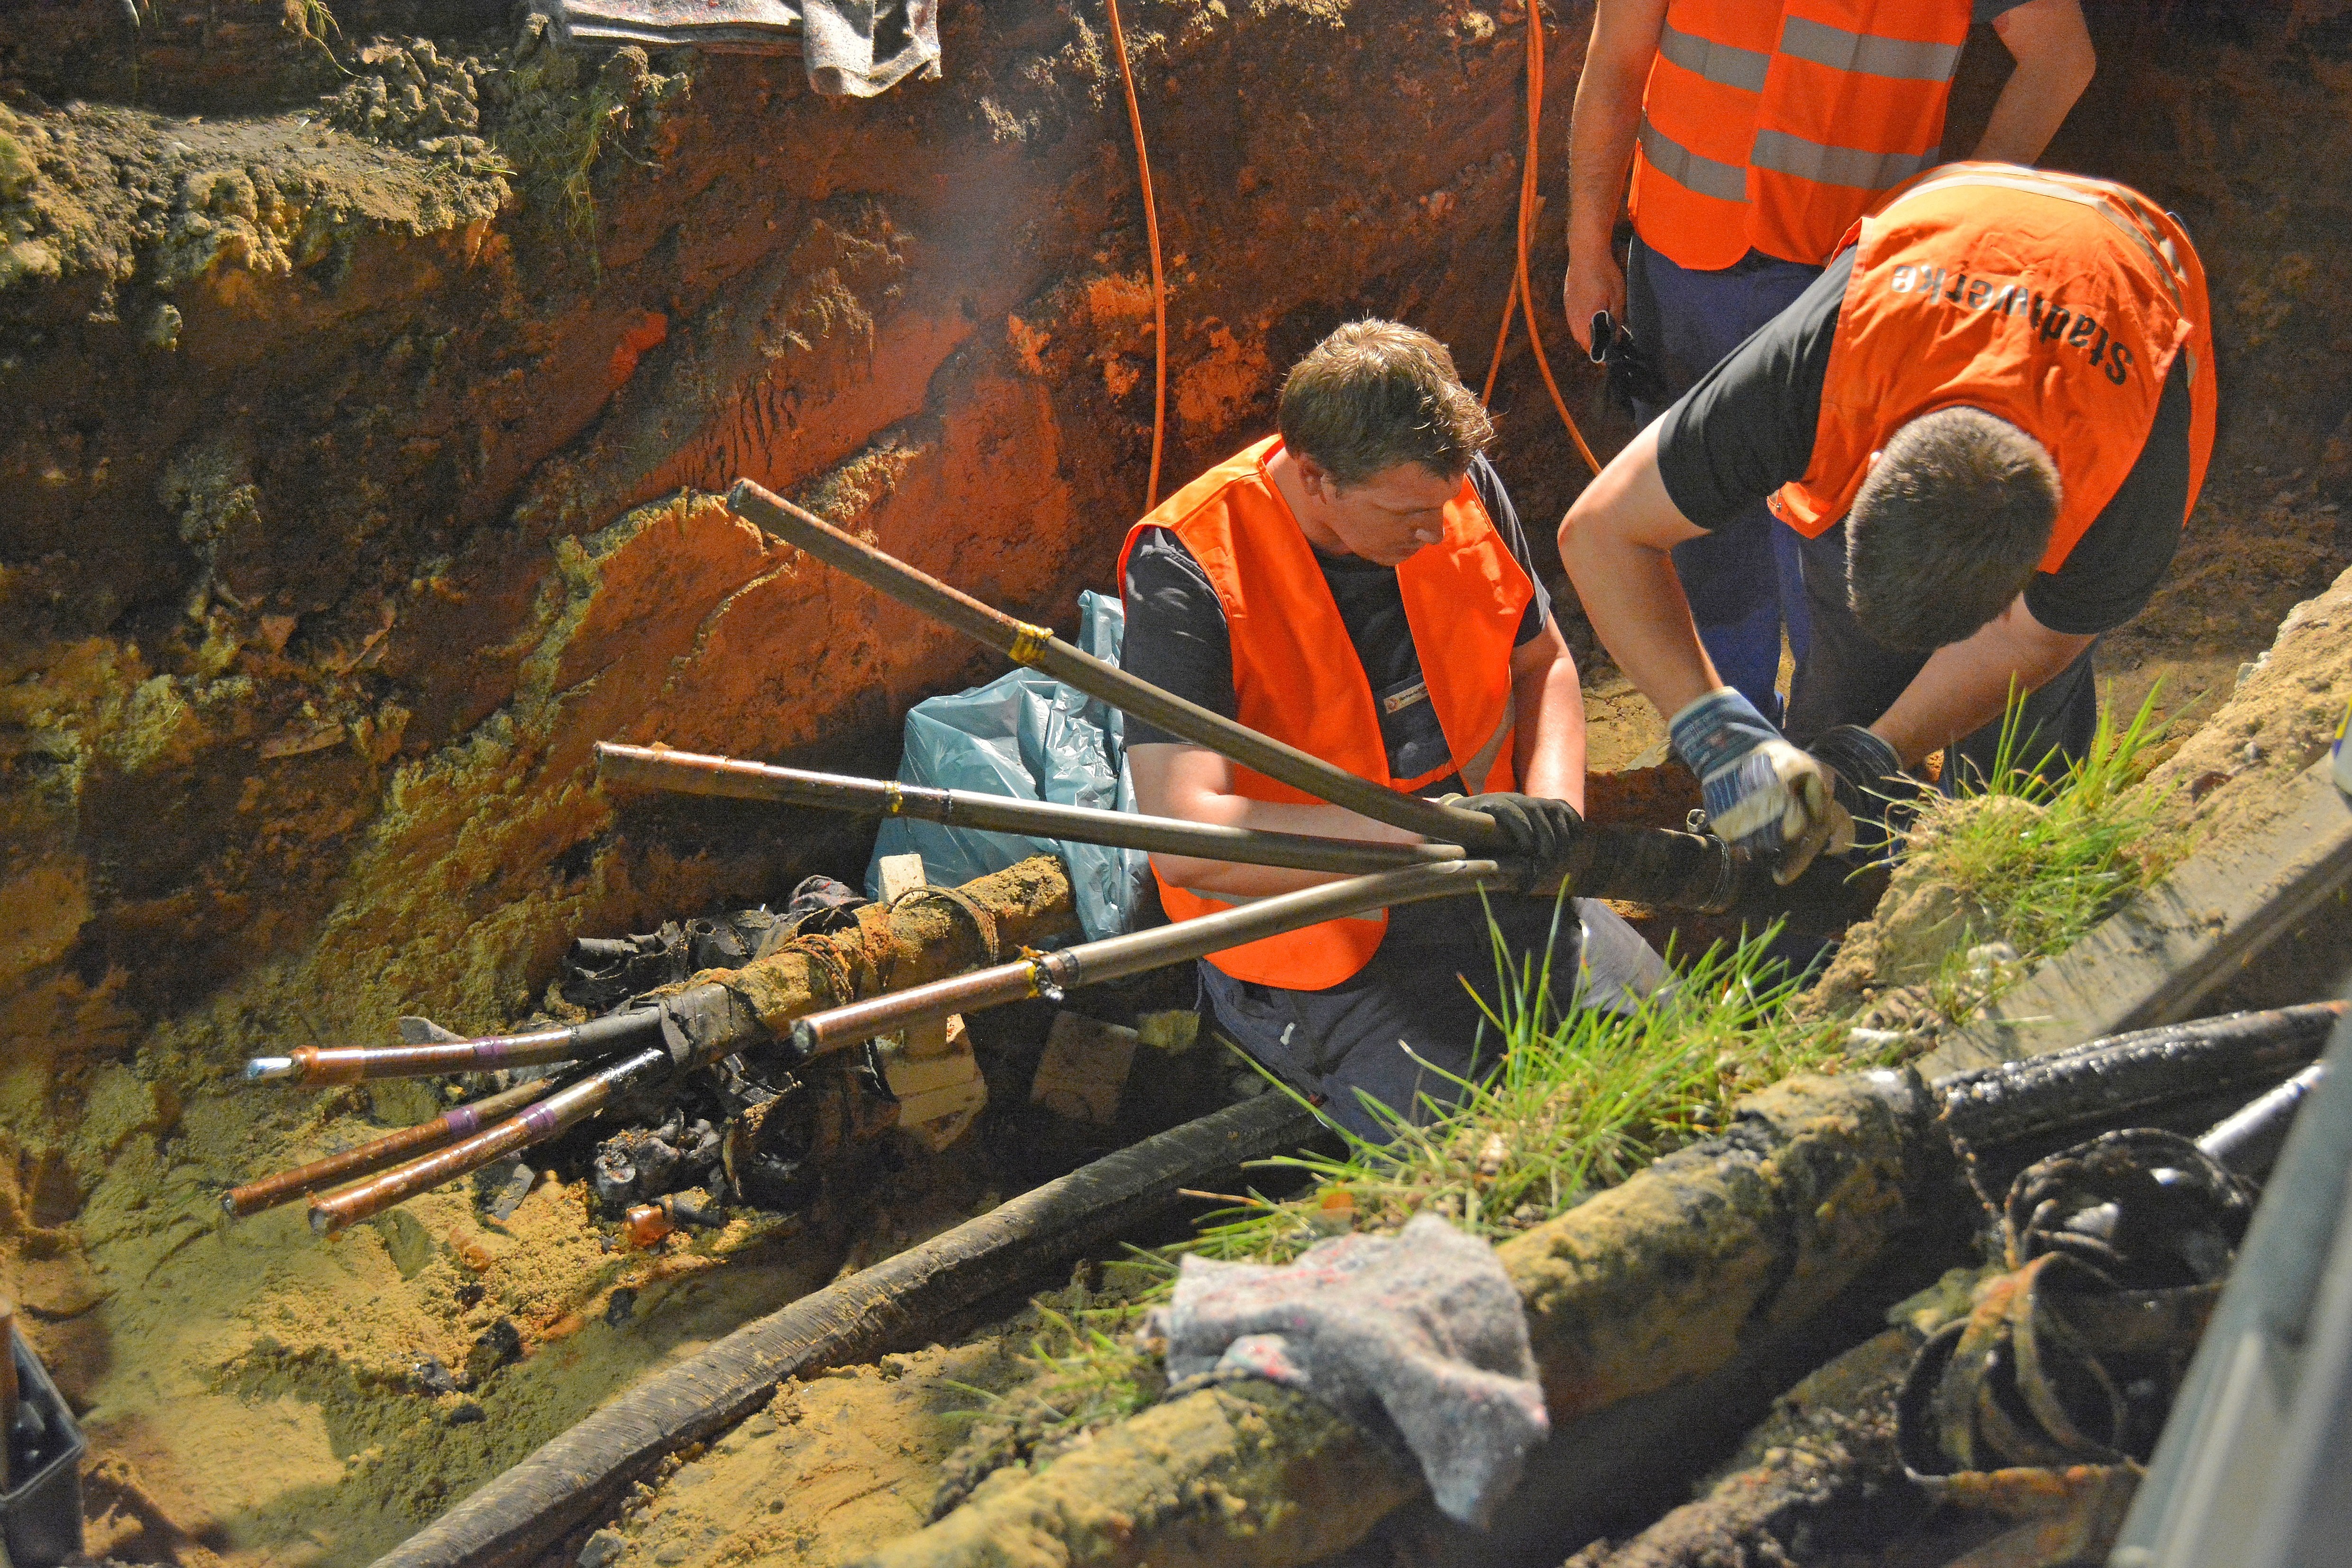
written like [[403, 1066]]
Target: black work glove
[[1866, 775], [1534, 828], [1634, 377]]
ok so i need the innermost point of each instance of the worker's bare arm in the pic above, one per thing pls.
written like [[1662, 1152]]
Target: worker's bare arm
[[1600, 133], [1615, 543], [1196, 784], [1966, 686], [1548, 718], [2055, 62]]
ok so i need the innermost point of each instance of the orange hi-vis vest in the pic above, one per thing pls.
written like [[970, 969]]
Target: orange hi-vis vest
[[2051, 300], [1296, 676], [1772, 128]]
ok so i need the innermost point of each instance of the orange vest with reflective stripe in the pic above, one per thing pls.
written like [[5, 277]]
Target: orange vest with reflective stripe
[[1773, 126], [1296, 676], [2051, 300]]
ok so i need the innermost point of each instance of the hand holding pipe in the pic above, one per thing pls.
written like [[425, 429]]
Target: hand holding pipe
[[314, 1064], [1040, 650]]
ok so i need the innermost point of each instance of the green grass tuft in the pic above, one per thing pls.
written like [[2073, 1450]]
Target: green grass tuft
[[1581, 1101], [2044, 859]]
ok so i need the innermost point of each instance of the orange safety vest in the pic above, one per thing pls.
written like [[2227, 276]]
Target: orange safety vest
[[1773, 126], [1296, 676], [2053, 301]]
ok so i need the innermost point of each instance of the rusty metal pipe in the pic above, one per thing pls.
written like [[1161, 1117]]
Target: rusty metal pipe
[[402, 1143], [1048, 974], [314, 1064], [558, 1112], [1040, 650]]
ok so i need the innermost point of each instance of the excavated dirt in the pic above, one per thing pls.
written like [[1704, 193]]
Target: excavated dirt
[[366, 404]]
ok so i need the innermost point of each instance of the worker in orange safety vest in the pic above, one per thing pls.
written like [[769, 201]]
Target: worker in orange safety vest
[[1987, 421], [1756, 135], [1359, 586]]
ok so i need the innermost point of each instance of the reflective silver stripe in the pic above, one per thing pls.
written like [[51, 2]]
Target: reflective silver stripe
[[1787, 154], [1725, 63], [1901, 58], [1473, 776], [1709, 177], [2166, 265]]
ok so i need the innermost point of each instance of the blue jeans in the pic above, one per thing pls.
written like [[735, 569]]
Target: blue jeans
[[1743, 579]]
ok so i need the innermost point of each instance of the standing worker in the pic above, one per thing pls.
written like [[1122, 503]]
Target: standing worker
[[1359, 586], [1988, 419], [1764, 132]]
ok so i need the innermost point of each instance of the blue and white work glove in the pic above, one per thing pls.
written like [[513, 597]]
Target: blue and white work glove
[[1761, 792]]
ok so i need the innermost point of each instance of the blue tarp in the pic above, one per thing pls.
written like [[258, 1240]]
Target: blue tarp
[[1030, 737]]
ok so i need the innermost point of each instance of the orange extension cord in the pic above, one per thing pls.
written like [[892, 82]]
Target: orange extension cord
[[1522, 300], [1159, 289]]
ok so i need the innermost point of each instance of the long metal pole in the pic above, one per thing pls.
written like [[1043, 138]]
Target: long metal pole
[[353, 1064], [688, 773], [1039, 649], [1048, 974], [373, 1155]]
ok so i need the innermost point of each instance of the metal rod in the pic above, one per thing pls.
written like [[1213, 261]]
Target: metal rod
[[560, 1111], [1039, 649], [688, 773], [2249, 1138], [314, 1064], [402, 1143], [1048, 974]]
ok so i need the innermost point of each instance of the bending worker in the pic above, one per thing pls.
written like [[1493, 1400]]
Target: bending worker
[[1989, 420], [1359, 586], [1757, 134]]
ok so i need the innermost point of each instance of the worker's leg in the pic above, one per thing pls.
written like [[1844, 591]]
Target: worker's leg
[[1740, 580], [1406, 1028]]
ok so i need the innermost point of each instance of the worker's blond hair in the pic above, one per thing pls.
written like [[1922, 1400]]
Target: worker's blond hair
[[1946, 529], [1376, 394]]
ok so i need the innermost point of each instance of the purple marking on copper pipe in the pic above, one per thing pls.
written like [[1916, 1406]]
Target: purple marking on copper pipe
[[463, 1121], [540, 1118]]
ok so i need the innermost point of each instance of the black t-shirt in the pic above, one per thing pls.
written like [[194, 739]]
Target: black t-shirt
[[1747, 428], [1176, 636]]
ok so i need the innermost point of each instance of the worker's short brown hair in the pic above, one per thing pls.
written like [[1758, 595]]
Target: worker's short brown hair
[[1376, 394], [1947, 528]]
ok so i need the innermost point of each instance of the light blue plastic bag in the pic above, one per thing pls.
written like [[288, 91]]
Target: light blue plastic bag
[[1028, 736]]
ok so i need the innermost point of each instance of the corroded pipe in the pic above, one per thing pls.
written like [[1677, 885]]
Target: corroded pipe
[[402, 1143], [1049, 975], [314, 1064], [565, 1109]]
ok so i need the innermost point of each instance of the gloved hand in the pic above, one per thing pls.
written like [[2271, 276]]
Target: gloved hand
[[1761, 792], [1534, 827], [1865, 775]]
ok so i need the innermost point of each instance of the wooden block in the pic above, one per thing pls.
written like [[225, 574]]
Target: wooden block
[[2154, 960], [902, 874], [1084, 1069]]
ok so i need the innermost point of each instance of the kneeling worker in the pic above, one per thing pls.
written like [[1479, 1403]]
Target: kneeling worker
[[1990, 418], [1359, 587]]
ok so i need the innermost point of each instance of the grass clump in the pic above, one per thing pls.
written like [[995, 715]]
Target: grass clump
[[1582, 1100], [2042, 856]]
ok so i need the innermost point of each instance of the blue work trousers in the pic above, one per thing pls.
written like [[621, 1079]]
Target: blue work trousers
[[1743, 579]]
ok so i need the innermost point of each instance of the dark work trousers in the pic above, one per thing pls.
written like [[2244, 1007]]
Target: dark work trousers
[[1411, 998], [1742, 579], [1847, 679]]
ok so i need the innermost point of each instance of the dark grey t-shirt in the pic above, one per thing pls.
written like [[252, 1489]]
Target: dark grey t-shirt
[[1176, 636], [1747, 428]]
